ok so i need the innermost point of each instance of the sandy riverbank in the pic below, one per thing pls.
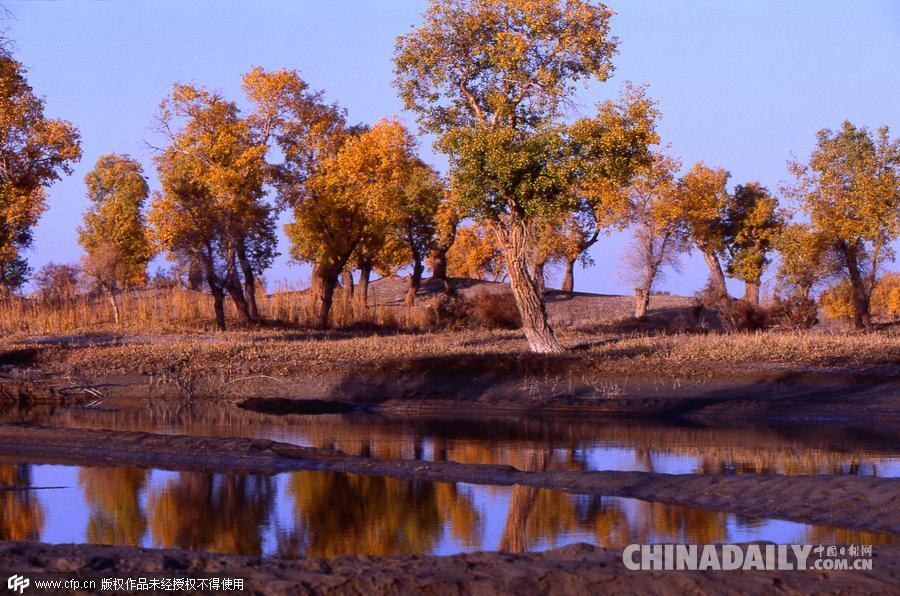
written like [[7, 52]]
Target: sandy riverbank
[[578, 569]]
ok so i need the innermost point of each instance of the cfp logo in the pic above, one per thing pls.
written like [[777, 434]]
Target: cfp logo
[[17, 583]]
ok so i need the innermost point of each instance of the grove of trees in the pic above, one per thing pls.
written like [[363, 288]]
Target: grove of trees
[[530, 187]]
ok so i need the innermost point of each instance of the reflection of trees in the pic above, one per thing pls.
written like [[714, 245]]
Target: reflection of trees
[[787, 450], [672, 523], [610, 524], [114, 495], [21, 514], [349, 514], [217, 512], [826, 535]]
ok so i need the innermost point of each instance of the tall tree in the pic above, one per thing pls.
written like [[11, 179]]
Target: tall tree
[[336, 204], [805, 259], [702, 204], [35, 152], [447, 220], [850, 190], [753, 222], [213, 174], [414, 212], [114, 232], [659, 238], [489, 77]]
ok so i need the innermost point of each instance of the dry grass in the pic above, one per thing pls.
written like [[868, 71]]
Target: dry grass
[[285, 354], [180, 310], [166, 330]]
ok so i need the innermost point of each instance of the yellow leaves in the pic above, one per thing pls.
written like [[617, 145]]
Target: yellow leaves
[[114, 232], [851, 187], [36, 151], [480, 62], [474, 254]]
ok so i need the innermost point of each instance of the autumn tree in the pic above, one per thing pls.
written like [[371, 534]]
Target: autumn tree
[[805, 260], [57, 283], [35, 152], [547, 245], [624, 130], [658, 237], [414, 213], [475, 255], [753, 221], [578, 233], [381, 251], [447, 220], [212, 207], [334, 204], [490, 77], [114, 232], [701, 206], [850, 191]]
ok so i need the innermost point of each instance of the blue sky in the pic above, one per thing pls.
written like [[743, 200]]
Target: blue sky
[[741, 84]]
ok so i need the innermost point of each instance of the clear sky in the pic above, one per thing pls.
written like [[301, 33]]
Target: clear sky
[[742, 84]]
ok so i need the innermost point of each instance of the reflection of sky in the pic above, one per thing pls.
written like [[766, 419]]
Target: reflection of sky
[[66, 515]]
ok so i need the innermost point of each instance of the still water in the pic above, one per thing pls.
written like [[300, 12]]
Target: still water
[[332, 514], [561, 443]]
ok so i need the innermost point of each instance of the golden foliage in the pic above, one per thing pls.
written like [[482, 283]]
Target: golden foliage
[[114, 233], [474, 254], [35, 152]]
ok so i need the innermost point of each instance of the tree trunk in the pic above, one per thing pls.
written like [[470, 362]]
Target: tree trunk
[[362, 293], [415, 280], [642, 294], [539, 281], [347, 291], [862, 319], [568, 282], [347, 284], [218, 293], [521, 506], [716, 275], [249, 283], [437, 262], [541, 338], [219, 306], [111, 295], [194, 275], [236, 291], [324, 280], [751, 292]]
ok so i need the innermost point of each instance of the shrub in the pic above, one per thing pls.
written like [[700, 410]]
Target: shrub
[[740, 315], [496, 310], [485, 310], [793, 312]]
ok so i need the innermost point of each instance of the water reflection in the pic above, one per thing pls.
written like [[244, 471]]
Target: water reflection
[[332, 514], [571, 444], [116, 515], [21, 513]]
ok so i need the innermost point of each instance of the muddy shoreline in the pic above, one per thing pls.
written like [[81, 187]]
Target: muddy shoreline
[[577, 569], [847, 501], [755, 394]]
